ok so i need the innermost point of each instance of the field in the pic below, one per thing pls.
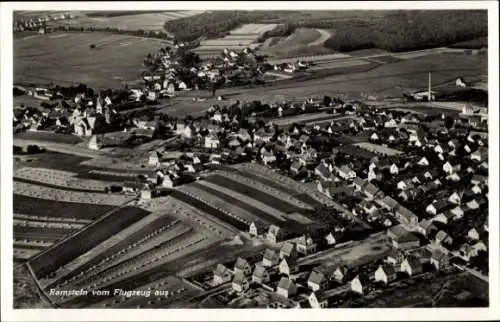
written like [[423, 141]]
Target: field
[[135, 21], [238, 39], [66, 59], [302, 41]]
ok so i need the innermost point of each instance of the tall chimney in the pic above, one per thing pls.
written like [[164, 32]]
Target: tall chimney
[[429, 93]]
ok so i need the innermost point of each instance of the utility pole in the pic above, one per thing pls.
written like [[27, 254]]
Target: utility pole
[[429, 93]]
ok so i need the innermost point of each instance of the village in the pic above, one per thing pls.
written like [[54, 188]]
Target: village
[[420, 181]]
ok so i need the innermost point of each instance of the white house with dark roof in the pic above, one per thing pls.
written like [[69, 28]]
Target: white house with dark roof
[[318, 300], [359, 284], [385, 274], [240, 283], [411, 266], [317, 281], [270, 258], [275, 234], [288, 250], [306, 245]]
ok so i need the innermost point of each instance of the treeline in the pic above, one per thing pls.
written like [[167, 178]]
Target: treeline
[[214, 24], [110, 14], [410, 30], [139, 33]]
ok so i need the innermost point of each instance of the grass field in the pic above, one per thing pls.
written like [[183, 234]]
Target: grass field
[[134, 21], [66, 59], [304, 41]]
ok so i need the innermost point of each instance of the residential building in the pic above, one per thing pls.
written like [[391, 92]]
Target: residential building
[[242, 266], [240, 283], [260, 275], [286, 287], [221, 275], [385, 274]]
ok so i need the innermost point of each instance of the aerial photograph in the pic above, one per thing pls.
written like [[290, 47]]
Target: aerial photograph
[[201, 159]]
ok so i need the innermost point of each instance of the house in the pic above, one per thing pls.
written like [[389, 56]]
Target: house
[[260, 275], [340, 273], [345, 172], [359, 284], [154, 158], [456, 197], [288, 250], [442, 238], [298, 166], [385, 274], [406, 241], [317, 281], [473, 234], [240, 283], [476, 189], [478, 179], [254, 229], [242, 266], [330, 239], [423, 162], [439, 258], [212, 141], [426, 228], [268, 157], [358, 183], [221, 275], [404, 184], [306, 245], [393, 169], [457, 212], [374, 137], [437, 206], [388, 203], [411, 266], [406, 217], [450, 168], [394, 258], [323, 172], [480, 154], [274, 234], [443, 218], [466, 252], [286, 287], [371, 191], [270, 258], [95, 143], [318, 300], [287, 266]]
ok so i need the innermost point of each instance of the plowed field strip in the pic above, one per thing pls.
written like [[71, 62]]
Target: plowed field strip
[[248, 206], [209, 209], [256, 194], [228, 204], [113, 245]]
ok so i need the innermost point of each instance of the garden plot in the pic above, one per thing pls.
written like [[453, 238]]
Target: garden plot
[[45, 224], [257, 194], [44, 234], [136, 234], [253, 29], [278, 215], [265, 188], [41, 192]]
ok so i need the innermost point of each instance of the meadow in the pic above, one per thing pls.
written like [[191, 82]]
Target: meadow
[[67, 59]]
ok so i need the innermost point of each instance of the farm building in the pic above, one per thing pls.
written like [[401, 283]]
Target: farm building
[[318, 300], [270, 258], [240, 283], [286, 287], [221, 275], [385, 274], [306, 245], [242, 267], [411, 266], [260, 275], [360, 283], [317, 281]]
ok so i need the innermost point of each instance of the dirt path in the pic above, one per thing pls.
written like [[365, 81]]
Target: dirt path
[[324, 35]]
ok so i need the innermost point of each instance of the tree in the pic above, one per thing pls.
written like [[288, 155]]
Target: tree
[[327, 100], [448, 122]]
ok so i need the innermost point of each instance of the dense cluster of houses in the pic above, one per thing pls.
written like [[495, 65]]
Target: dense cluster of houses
[[39, 23]]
